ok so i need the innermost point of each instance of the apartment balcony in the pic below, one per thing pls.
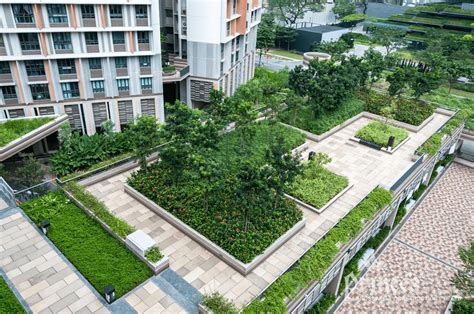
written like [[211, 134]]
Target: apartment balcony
[[89, 23], [124, 93], [147, 91], [114, 22], [145, 71], [10, 101], [37, 78], [177, 69], [121, 72], [92, 48], [142, 22], [100, 95], [25, 25], [71, 76], [61, 24], [63, 51], [31, 52], [3, 51], [96, 73], [144, 47], [120, 48], [6, 78]]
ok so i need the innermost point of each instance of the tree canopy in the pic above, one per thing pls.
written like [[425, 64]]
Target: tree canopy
[[289, 11]]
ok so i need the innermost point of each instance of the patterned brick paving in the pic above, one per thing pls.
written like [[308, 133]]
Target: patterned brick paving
[[404, 279], [365, 167]]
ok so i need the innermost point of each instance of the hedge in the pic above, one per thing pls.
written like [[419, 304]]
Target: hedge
[[313, 265], [98, 256]]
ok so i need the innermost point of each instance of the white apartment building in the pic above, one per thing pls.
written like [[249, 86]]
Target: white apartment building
[[99, 60]]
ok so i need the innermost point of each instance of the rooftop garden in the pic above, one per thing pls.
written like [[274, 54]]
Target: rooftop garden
[[16, 128], [98, 256], [317, 185], [312, 266], [8, 301], [379, 133]]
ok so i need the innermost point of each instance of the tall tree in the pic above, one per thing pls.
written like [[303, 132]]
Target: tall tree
[[399, 79], [422, 82], [289, 11], [343, 8], [146, 136], [29, 173], [286, 35], [266, 34], [389, 37], [376, 65]]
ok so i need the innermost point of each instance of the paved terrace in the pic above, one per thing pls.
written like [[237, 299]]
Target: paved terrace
[[413, 273], [365, 167]]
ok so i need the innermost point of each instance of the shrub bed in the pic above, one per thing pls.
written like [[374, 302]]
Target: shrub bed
[[94, 252], [13, 129], [317, 185], [379, 133], [8, 302], [222, 216], [304, 118], [318, 259], [218, 304]]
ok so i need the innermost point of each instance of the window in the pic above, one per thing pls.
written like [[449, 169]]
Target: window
[[228, 29], [87, 11], [97, 86], [23, 13], [118, 38], [4, 67], [9, 92], [91, 38], [122, 85], [70, 90], [39, 91], [115, 11], [141, 11], [120, 63], [62, 41], [145, 61], [146, 82], [94, 63], [66, 66], [57, 13], [169, 13], [29, 41], [143, 37], [34, 68], [2, 43]]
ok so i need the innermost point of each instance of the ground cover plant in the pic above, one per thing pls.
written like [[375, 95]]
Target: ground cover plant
[[9, 304], [16, 128], [218, 304], [232, 203], [317, 185], [94, 252], [379, 133], [318, 259]]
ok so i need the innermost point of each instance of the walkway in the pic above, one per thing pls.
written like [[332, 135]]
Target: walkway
[[366, 168], [413, 273]]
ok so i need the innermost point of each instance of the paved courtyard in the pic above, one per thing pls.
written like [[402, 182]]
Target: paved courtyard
[[366, 168], [413, 273]]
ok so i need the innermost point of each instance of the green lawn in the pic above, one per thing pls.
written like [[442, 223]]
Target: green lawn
[[286, 53], [317, 185], [13, 129], [304, 119], [94, 252], [379, 133], [9, 304]]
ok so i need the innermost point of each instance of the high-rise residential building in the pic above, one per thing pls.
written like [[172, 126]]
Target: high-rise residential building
[[99, 60]]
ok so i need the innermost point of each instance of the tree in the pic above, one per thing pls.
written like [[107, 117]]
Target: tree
[[334, 48], [424, 82], [286, 35], [30, 172], [464, 280], [344, 8], [376, 65], [398, 80], [299, 79], [266, 34], [289, 11], [389, 37], [146, 135]]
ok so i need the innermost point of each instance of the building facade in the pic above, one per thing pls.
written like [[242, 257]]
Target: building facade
[[100, 60]]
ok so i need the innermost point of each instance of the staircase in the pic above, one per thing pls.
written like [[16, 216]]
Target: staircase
[[179, 63]]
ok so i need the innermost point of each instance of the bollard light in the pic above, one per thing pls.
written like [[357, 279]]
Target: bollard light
[[391, 141], [45, 226], [109, 292], [311, 155]]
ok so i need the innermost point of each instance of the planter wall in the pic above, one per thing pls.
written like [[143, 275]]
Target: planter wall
[[242, 268]]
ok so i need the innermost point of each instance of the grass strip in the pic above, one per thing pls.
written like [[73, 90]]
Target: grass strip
[[100, 258], [9, 304], [379, 133], [14, 129]]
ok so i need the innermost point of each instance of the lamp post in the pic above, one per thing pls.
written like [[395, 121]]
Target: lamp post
[[109, 292], [45, 226]]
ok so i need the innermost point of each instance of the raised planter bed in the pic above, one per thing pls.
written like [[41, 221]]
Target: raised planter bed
[[377, 146], [322, 209], [241, 267]]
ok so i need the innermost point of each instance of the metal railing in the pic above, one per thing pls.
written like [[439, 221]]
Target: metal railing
[[6, 192]]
